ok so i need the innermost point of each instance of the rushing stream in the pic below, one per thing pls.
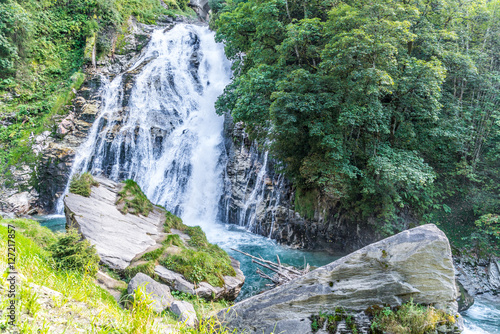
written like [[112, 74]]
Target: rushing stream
[[167, 137]]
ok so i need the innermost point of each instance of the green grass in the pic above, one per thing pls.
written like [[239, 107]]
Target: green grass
[[99, 313], [173, 240], [153, 255], [133, 200], [147, 268], [41, 235], [172, 221], [81, 184], [201, 261], [69, 251], [198, 261]]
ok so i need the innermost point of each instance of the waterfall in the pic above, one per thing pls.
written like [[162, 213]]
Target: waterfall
[[164, 132]]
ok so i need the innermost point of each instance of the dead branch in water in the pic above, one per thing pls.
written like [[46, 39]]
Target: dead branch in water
[[282, 274]]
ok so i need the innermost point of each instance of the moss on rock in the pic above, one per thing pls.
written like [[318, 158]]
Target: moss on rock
[[81, 184], [132, 200]]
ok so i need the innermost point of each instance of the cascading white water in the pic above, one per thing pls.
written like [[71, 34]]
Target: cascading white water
[[167, 137], [166, 134]]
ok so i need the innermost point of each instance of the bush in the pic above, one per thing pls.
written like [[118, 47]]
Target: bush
[[81, 184], [199, 260], [410, 318], [133, 199], [71, 253], [203, 262], [484, 241]]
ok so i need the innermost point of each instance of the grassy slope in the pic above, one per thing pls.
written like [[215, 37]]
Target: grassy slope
[[84, 304]]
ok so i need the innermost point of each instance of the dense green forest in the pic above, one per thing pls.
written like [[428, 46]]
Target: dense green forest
[[382, 106]]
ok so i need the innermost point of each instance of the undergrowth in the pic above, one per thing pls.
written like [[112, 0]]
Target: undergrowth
[[198, 260], [410, 318], [69, 251], [82, 305], [132, 200], [81, 184]]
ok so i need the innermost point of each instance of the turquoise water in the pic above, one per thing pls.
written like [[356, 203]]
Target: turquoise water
[[57, 223], [482, 318], [268, 249]]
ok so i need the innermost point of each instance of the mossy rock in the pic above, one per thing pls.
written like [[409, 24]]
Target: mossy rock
[[132, 200], [81, 184], [196, 259]]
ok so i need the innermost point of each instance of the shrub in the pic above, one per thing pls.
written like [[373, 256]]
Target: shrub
[[410, 318], [70, 252], [81, 184], [133, 200]]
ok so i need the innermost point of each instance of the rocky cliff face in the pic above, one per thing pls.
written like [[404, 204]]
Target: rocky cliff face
[[415, 264], [264, 201], [477, 277], [57, 148]]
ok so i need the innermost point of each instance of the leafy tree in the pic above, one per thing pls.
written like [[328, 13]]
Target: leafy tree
[[370, 102]]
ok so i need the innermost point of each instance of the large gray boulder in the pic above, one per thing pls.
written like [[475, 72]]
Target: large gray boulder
[[159, 293], [118, 237], [414, 264]]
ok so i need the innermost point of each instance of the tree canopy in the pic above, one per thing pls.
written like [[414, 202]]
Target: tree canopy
[[382, 105]]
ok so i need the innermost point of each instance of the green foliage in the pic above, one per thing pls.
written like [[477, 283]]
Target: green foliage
[[332, 320], [306, 202], [173, 240], [484, 241], [153, 255], [34, 265], [203, 261], [81, 184], [70, 252], [132, 200], [199, 260], [386, 107], [41, 235], [490, 225], [172, 221], [200, 265], [42, 46], [410, 318]]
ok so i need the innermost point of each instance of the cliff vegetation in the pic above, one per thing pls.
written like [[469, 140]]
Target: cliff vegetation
[[388, 108], [44, 46]]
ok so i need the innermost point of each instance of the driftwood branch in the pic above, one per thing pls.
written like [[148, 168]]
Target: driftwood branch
[[292, 270], [282, 274]]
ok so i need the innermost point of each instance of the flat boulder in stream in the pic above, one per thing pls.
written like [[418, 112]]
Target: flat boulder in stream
[[126, 242], [414, 264], [118, 237]]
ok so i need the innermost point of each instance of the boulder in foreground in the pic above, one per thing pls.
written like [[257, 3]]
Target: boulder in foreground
[[414, 264]]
